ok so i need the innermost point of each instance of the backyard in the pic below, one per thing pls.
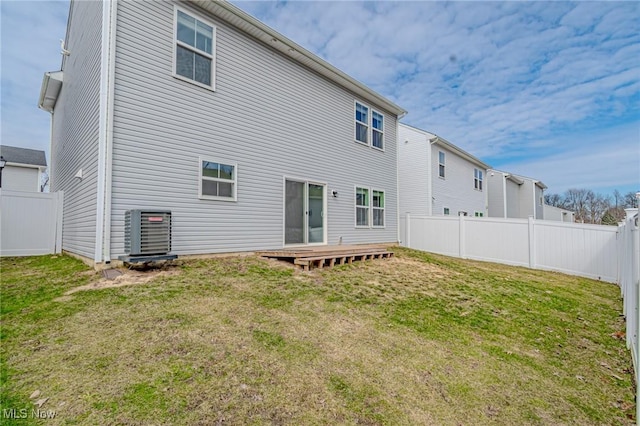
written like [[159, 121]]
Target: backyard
[[416, 339]]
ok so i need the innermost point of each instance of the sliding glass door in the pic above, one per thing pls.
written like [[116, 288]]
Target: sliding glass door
[[304, 217]]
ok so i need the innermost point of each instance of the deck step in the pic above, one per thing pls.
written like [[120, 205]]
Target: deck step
[[325, 260]]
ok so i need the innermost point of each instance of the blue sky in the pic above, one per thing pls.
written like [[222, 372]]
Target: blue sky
[[549, 90]]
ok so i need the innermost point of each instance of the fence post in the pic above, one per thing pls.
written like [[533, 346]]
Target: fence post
[[407, 230], [462, 240], [532, 244]]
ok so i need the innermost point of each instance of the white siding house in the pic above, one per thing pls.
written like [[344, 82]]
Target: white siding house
[[23, 168], [438, 178], [250, 140], [513, 196], [559, 214]]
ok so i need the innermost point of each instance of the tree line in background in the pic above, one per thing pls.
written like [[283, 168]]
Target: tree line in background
[[591, 207]]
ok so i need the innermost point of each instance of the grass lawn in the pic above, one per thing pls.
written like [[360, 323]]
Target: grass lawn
[[417, 339]]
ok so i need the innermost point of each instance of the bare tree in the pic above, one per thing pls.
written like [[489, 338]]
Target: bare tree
[[576, 201], [617, 198], [44, 182], [630, 201], [554, 200], [596, 206]]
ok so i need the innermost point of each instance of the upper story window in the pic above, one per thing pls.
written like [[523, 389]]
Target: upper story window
[[377, 129], [369, 126], [477, 179], [446, 211], [441, 164], [362, 123], [218, 181], [195, 49]]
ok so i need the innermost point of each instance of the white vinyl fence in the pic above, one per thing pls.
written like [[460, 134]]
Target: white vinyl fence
[[578, 249], [606, 253], [30, 223]]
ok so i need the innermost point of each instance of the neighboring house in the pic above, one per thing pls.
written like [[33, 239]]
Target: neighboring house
[[196, 107], [438, 178], [557, 213], [23, 169], [513, 196]]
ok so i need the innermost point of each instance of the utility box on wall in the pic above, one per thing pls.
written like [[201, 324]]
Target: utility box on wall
[[147, 232]]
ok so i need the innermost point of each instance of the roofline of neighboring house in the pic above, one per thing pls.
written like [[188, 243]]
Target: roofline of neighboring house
[[558, 208], [25, 165], [520, 179], [435, 139], [252, 26]]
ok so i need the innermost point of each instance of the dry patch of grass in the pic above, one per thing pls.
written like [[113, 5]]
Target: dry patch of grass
[[417, 339]]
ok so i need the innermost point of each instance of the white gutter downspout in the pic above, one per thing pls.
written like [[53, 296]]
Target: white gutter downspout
[[504, 194], [104, 144], [398, 236], [534, 198], [430, 174], [110, 104]]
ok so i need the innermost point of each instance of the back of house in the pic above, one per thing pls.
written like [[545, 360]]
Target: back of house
[[249, 140], [438, 178]]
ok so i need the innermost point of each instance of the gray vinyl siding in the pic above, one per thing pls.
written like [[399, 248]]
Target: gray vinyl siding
[[515, 197], [495, 193], [414, 167], [269, 115], [456, 190], [75, 128]]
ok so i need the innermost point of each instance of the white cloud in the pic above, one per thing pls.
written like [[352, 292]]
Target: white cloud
[[503, 80]]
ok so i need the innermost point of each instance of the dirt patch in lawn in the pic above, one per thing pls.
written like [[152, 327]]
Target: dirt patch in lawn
[[128, 277]]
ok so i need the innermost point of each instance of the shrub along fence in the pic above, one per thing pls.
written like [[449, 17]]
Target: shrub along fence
[[606, 253]]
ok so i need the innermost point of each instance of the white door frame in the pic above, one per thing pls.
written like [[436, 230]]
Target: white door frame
[[306, 210]]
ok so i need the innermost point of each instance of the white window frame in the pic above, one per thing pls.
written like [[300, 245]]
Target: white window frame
[[356, 122], [442, 164], [233, 181], [177, 43], [478, 178], [446, 211], [383, 208], [356, 206], [374, 130]]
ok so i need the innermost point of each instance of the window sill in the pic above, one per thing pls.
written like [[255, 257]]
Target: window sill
[[361, 143], [378, 149], [212, 198], [211, 88]]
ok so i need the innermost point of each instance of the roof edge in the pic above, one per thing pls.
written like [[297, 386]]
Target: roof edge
[[235, 17], [464, 154]]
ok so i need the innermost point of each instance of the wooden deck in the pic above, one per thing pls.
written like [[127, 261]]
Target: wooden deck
[[321, 256]]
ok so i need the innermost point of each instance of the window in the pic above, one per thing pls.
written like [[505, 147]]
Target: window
[[477, 179], [446, 211], [479, 214], [441, 164], [362, 207], [218, 181], [377, 130], [378, 208], [362, 123], [194, 58]]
